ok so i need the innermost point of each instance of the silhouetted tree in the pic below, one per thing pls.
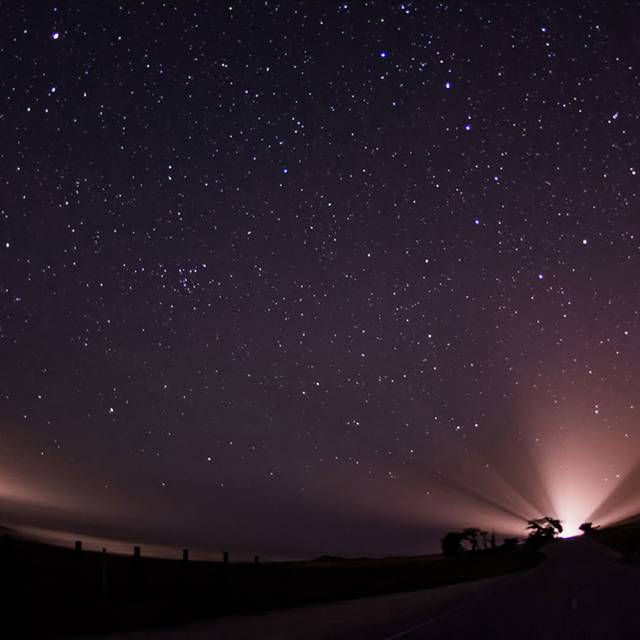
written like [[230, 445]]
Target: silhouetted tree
[[452, 543], [470, 534], [555, 523], [588, 528], [543, 530], [493, 539], [510, 543], [483, 535]]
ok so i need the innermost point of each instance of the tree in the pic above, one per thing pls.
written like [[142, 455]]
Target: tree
[[452, 543], [470, 534], [509, 543], [543, 530], [555, 523], [587, 528], [483, 535]]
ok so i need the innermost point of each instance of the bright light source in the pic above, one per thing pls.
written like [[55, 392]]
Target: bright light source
[[570, 530]]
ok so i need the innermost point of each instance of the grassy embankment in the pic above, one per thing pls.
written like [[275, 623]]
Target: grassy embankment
[[81, 592]]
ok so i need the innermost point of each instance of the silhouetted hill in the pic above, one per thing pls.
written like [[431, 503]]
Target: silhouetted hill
[[627, 522], [623, 536], [389, 561], [6, 531]]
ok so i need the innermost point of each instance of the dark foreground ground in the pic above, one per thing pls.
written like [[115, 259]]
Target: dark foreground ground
[[581, 591], [52, 592]]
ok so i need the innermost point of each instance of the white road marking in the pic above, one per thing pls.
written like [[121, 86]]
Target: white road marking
[[428, 622], [479, 597]]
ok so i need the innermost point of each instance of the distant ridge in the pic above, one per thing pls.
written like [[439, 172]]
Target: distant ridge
[[626, 522], [8, 531]]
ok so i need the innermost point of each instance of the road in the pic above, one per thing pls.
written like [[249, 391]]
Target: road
[[581, 591]]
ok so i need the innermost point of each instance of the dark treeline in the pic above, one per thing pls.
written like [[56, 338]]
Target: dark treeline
[[473, 539]]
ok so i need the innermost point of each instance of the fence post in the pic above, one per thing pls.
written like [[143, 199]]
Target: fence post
[[105, 593], [78, 545], [225, 557], [9, 572], [256, 560], [185, 555]]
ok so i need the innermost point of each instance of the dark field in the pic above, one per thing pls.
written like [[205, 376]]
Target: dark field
[[56, 592]]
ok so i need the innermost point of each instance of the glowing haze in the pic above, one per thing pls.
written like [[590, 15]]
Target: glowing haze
[[311, 278]]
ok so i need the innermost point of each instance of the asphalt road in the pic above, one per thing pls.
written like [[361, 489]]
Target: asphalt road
[[581, 591]]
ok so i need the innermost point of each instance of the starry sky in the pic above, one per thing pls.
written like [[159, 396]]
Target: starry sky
[[317, 277]]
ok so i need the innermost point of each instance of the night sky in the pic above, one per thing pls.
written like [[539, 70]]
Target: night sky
[[301, 278]]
